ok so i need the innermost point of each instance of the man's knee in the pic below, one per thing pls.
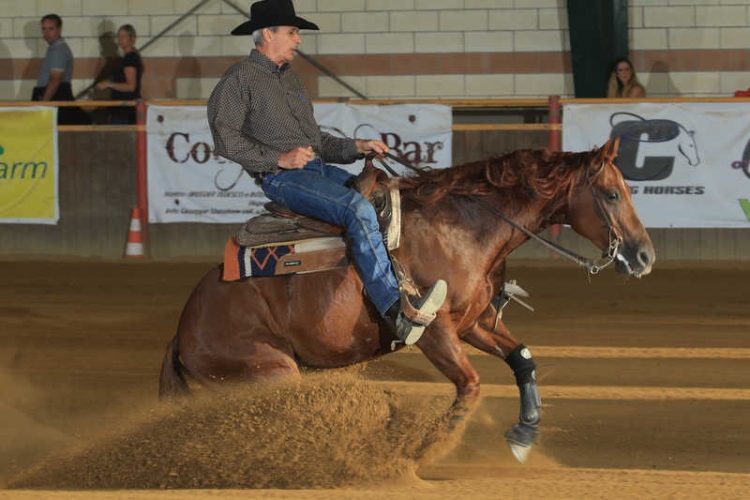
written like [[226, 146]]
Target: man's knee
[[363, 208], [362, 212]]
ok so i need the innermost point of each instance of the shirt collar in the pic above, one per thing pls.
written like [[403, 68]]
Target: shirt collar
[[265, 62]]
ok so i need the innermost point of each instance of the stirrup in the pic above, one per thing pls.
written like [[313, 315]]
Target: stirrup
[[414, 318], [423, 310]]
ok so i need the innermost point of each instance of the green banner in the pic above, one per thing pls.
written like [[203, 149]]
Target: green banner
[[745, 204]]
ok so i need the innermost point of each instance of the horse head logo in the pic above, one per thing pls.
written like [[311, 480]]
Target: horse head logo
[[687, 147], [638, 162]]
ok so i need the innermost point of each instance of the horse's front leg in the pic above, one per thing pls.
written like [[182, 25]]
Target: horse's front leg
[[441, 346], [494, 338]]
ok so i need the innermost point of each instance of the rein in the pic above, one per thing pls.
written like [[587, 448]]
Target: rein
[[399, 161], [588, 264]]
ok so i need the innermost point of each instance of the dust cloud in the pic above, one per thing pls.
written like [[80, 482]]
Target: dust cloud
[[23, 436], [329, 430]]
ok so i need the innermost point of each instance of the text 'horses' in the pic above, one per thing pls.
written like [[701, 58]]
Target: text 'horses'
[[265, 328]]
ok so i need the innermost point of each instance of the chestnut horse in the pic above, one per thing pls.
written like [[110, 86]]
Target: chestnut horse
[[458, 224]]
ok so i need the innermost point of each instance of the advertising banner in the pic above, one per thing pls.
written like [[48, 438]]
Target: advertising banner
[[28, 165], [686, 163], [189, 182]]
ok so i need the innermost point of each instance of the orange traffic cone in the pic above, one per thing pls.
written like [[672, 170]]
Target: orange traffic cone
[[134, 248]]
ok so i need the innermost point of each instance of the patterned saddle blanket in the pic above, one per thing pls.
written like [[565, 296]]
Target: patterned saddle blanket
[[279, 241]]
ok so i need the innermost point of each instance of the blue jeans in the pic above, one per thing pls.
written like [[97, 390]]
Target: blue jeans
[[318, 191]]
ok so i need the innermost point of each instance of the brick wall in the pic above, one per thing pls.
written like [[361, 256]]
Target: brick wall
[[392, 48]]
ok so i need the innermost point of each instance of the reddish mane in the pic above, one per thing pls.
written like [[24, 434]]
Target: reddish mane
[[527, 174]]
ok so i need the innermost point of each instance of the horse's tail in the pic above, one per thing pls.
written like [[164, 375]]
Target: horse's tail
[[172, 382]]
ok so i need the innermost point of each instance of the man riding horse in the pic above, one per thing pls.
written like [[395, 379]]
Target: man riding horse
[[261, 117]]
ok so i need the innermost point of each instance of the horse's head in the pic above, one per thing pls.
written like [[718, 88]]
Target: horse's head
[[687, 146], [601, 209]]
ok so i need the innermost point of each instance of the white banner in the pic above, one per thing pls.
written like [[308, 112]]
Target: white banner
[[189, 182], [687, 163]]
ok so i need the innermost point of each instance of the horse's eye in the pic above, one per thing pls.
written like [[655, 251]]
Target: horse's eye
[[613, 196]]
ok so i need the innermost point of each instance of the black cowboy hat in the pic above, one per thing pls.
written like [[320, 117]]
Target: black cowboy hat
[[267, 13]]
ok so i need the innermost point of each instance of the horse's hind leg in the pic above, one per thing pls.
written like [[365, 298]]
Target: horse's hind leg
[[226, 334], [253, 356], [494, 338]]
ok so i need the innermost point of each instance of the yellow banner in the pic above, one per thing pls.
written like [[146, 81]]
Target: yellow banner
[[28, 165]]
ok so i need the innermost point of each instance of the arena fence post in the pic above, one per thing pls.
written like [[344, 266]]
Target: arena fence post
[[555, 131]]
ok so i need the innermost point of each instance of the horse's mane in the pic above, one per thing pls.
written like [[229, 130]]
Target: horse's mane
[[527, 174]]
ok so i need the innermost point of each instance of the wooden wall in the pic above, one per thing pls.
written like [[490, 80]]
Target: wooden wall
[[98, 190]]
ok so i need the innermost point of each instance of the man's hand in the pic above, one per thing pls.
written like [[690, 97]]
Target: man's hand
[[296, 158], [371, 146]]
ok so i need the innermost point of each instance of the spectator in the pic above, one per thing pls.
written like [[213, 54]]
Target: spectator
[[126, 80], [623, 81], [53, 83]]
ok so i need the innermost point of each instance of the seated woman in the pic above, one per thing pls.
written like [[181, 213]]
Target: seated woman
[[126, 80], [623, 81]]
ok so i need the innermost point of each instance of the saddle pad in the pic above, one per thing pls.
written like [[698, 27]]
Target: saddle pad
[[270, 245], [295, 257]]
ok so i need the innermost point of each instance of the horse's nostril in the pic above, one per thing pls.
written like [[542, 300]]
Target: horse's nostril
[[644, 258]]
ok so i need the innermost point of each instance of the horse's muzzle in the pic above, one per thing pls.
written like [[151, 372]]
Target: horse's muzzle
[[635, 260]]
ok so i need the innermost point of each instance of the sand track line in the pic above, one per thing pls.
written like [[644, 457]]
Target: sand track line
[[579, 392], [629, 352]]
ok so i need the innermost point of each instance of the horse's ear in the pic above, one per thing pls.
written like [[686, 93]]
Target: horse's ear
[[609, 150]]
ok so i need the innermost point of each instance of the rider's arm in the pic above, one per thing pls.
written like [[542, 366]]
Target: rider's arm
[[228, 108], [345, 151], [338, 150]]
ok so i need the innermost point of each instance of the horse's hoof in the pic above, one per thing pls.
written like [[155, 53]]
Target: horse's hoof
[[520, 438]]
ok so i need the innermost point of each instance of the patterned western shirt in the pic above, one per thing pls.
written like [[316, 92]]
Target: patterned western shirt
[[259, 110]]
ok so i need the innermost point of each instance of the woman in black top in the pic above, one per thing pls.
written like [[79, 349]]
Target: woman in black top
[[126, 80]]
